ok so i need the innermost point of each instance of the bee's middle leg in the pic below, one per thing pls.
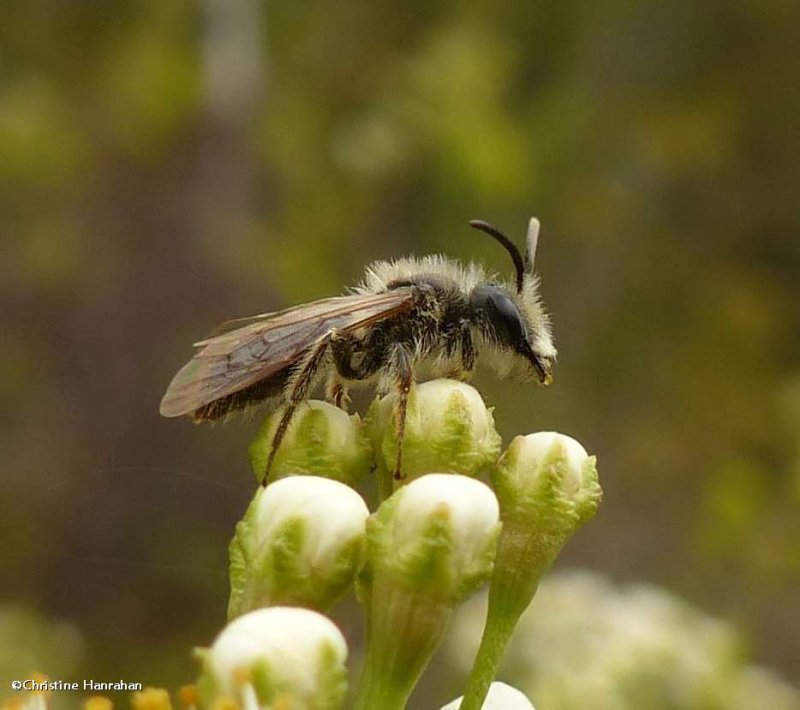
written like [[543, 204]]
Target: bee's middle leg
[[337, 393], [353, 360], [298, 388]]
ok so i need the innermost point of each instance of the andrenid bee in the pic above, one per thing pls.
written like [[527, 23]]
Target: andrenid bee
[[428, 316]]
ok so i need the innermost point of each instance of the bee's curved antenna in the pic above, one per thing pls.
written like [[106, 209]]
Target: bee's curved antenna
[[509, 246]]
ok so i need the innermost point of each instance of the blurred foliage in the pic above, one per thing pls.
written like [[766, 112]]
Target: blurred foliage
[[166, 165]]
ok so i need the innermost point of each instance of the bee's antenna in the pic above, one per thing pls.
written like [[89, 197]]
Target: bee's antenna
[[509, 246], [530, 244]]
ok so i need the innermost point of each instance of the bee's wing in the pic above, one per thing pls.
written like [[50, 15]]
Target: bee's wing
[[239, 323], [267, 344]]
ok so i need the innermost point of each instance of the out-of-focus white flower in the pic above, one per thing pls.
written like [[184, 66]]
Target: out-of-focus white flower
[[448, 430], [428, 545], [500, 697], [30, 640], [301, 542], [281, 651], [755, 687], [321, 440], [587, 643]]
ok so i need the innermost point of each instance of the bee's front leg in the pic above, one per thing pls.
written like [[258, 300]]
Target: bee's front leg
[[464, 354], [469, 355]]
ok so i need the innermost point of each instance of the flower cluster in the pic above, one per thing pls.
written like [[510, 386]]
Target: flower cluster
[[434, 537], [586, 642]]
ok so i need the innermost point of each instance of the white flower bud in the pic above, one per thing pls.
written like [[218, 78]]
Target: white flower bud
[[321, 440], [547, 487], [281, 651], [552, 473], [448, 429], [536, 451], [500, 697], [468, 508], [301, 542], [428, 545]]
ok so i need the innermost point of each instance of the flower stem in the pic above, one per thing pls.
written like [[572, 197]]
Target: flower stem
[[510, 593], [378, 689], [403, 631], [499, 628]]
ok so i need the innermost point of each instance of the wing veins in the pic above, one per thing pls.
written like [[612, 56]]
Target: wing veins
[[194, 385]]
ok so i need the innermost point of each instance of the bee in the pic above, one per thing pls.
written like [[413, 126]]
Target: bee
[[428, 316]]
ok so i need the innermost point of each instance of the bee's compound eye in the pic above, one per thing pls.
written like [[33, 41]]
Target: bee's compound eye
[[502, 313]]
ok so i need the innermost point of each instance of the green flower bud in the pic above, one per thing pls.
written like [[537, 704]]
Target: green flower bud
[[438, 533], [549, 466], [547, 486], [428, 546], [321, 440], [448, 430], [300, 543], [499, 697], [295, 655]]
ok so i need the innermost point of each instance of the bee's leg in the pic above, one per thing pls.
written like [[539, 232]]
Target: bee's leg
[[354, 359], [400, 369], [337, 393], [297, 391], [464, 355], [469, 355]]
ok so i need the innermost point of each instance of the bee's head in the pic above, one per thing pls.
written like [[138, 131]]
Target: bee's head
[[515, 318]]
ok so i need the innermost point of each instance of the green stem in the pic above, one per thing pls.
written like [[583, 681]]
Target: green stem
[[378, 689], [403, 631], [520, 563], [499, 629]]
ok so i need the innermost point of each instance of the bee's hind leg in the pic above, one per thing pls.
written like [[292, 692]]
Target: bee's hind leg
[[400, 370], [297, 390]]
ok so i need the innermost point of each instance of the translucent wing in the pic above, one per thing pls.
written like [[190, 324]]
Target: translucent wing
[[266, 345]]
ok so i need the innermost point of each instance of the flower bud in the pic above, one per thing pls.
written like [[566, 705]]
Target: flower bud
[[437, 531], [547, 459], [321, 440], [428, 545], [547, 487], [448, 429], [500, 697], [300, 543], [281, 652]]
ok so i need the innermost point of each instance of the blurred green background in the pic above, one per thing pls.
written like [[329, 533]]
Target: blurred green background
[[165, 165]]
